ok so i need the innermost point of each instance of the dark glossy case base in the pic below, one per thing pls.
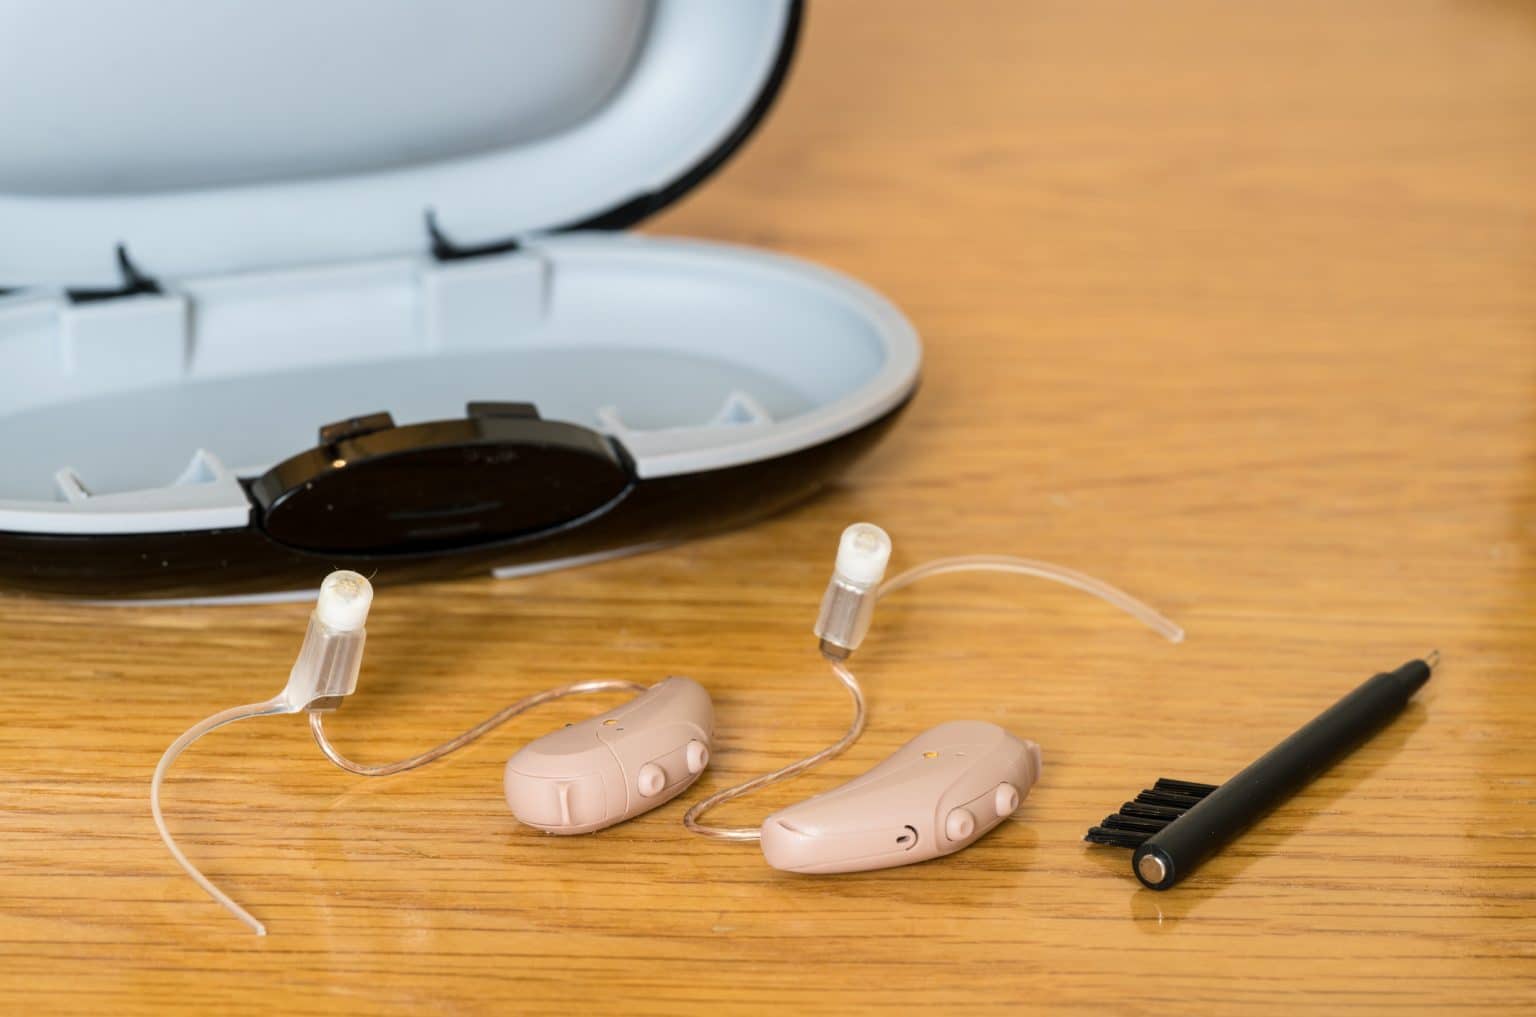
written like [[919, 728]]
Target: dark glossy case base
[[219, 563]]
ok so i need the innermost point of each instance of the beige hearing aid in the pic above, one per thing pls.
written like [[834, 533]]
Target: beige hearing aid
[[943, 790], [581, 778], [940, 792], [614, 766]]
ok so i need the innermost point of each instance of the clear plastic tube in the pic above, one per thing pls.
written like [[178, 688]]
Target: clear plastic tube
[[277, 704], [1112, 595], [323, 674], [317, 727], [1137, 609]]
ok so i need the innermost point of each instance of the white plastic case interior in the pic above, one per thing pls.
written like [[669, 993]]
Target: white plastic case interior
[[272, 166]]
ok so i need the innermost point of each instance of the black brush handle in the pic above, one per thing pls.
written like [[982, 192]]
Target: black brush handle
[[1179, 848]]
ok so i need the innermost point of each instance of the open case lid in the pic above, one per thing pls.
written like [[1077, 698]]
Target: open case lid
[[205, 139]]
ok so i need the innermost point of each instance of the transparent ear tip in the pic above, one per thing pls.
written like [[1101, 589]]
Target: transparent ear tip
[[863, 553], [344, 601]]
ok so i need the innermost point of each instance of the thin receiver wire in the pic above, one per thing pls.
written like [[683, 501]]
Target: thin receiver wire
[[691, 819], [317, 727], [1113, 595]]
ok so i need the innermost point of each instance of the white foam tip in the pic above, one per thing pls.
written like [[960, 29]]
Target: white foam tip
[[344, 601], [862, 554]]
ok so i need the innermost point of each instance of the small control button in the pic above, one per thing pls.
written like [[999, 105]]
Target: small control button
[[1006, 799], [651, 779], [959, 824], [698, 756]]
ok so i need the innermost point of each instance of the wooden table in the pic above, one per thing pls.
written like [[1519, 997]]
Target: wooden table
[[1231, 304]]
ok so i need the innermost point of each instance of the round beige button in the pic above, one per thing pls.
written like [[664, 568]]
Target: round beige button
[[698, 756], [651, 779], [959, 824], [1006, 799]]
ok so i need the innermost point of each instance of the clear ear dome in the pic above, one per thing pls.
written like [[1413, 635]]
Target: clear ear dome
[[332, 654], [862, 554], [849, 603], [344, 600]]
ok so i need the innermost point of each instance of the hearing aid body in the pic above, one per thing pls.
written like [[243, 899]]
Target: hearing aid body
[[937, 794], [616, 765]]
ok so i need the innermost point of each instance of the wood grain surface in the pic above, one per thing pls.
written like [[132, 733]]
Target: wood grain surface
[[1231, 304]]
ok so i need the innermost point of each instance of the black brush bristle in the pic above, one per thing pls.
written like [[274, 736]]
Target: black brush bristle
[[1153, 809], [1131, 824], [1184, 787], [1115, 838], [1144, 811], [1152, 796]]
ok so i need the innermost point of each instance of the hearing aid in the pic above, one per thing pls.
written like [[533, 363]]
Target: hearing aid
[[614, 766], [942, 791], [578, 779], [939, 793]]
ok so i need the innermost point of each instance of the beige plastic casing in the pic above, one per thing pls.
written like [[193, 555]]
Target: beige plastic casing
[[616, 765], [937, 794]]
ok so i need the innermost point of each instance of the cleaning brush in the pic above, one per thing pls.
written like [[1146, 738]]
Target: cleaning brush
[[1176, 824]]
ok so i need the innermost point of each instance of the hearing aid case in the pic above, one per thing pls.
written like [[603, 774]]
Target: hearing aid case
[[257, 262]]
